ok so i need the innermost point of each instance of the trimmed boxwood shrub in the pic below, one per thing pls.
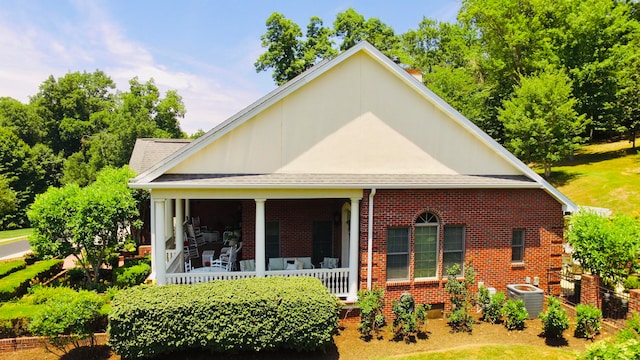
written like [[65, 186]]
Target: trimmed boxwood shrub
[[9, 267], [17, 283], [131, 275], [227, 315], [588, 321]]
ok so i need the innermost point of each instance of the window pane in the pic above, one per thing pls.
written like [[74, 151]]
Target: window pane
[[398, 266], [517, 246], [398, 253], [453, 238], [398, 240], [426, 251], [516, 254], [272, 239], [453, 247]]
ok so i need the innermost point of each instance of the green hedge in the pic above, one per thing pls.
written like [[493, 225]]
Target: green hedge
[[227, 315], [16, 316], [11, 266], [131, 275], [17, 283]]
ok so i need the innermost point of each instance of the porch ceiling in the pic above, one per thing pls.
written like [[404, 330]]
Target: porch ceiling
[[335, 181]]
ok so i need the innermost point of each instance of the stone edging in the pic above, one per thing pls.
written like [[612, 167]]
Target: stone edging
[[32, 342]]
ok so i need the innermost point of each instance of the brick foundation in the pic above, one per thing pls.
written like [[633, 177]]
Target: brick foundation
[[24, 343]]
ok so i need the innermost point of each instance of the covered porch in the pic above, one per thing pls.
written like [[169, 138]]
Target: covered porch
[[309, 225]]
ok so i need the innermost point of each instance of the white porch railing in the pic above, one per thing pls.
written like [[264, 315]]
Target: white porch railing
[[173, 260], [336, 280]]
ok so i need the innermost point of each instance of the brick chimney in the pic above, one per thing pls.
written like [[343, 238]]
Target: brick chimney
[[415, 73]]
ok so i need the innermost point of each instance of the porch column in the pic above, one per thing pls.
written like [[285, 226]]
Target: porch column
[[260, 239], [158, 241], [354, 241], [168, 216], [180, 228]]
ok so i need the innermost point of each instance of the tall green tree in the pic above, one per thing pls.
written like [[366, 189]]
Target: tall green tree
[[17, 170], [541, 124], [89, 223], [138, 113], [350, 27], [22, 119], [288, 53], [68, 106]]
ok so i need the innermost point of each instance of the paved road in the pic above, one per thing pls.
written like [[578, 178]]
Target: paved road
[[16, 248]]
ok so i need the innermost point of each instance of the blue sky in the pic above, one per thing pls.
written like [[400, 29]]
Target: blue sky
[[203, 49]]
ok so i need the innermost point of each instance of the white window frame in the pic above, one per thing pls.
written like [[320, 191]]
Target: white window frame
[[428, 219], [407, 253], [523, 237]]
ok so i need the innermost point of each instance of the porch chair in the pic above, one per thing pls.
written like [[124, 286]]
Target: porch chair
[[187, 265], [190, 247], [329, 263], [199, 237], [227, 250], [228, 264], [247, 265]]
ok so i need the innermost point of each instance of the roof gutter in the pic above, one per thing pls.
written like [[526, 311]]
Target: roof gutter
[[370, 238]]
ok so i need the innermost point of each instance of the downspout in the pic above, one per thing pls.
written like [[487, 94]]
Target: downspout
[[370, 239]]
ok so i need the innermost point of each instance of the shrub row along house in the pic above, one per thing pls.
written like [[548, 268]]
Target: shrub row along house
[[357, 160]]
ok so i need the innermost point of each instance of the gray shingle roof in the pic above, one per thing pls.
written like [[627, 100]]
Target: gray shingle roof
[[148, 152], [277, 180]]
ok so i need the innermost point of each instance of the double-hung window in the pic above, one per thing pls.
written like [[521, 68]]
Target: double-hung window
[[398, 253], [426, 246], [517, 246], [453, 252]]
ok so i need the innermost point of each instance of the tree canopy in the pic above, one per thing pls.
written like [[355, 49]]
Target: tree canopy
[[73, 127], [90, 223], [485, 62]]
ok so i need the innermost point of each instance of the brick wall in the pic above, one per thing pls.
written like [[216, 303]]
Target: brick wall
[[295, 218], [488, 215]]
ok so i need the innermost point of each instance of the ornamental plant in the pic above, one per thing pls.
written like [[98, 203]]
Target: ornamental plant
[[515, 314], [555, 320], [588, 322], [459, 291], [410, 318], [491, 306], [371, 304]]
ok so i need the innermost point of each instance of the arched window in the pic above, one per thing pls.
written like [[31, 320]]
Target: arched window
[[426, 246]]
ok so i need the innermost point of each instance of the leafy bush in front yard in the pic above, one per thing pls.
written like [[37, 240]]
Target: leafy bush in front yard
[[226, 315], [588, 322], [17, 283], [131, 275], [625, 344], [462, 299], [15, 316], [492, 312], [371, 304], [9, 267], [410, 318], [77, 315], [555, 319], [515, 314]]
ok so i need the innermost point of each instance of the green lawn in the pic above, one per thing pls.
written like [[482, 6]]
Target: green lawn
[[506, 352], [602, 175], [9, 234]]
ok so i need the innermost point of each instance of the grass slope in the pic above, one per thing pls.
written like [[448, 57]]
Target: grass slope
[[16, 235], [603, 175]]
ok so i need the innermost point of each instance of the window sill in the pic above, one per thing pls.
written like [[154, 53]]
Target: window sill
[[398, 282], [519, 265], [431, 280]]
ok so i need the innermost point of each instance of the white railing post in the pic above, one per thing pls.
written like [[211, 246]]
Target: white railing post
[[354, 248], [260, 240]]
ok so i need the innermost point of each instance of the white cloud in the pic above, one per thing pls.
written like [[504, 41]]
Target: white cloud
[[29, 53]]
